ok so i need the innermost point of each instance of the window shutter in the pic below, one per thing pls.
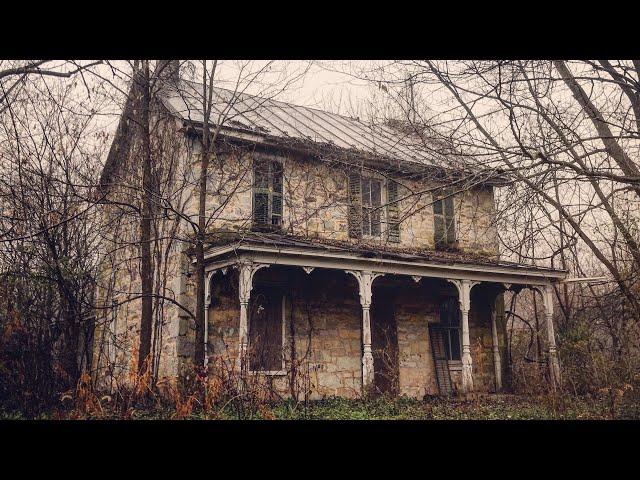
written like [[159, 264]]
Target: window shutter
[[376, 202], [276, 182], [260, 208], [354, 216], [393, 212], [450, 220], [439, 232]]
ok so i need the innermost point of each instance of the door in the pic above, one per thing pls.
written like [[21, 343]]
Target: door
[[384, 344]]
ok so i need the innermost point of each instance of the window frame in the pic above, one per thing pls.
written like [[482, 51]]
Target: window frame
[[361, 207], [269, 191], [371, 208], [282, 370]]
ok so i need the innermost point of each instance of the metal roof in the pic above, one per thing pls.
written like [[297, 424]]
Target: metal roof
[[282, 121]]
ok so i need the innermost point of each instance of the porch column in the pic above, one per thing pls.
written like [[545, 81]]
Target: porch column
[[365, 279], [554, 366], [464, 297], [497, 363], [245, 285]]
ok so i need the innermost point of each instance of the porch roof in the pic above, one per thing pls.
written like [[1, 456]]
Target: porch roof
[[279, 248]]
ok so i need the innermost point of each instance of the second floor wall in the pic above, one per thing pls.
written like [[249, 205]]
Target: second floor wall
[[336, 200]]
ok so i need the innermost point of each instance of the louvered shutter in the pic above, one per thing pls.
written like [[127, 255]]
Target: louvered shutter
[[439, 232], [376, 202], [449, 219], [260, 193], [276, 206], [393, 212], [354, 216]]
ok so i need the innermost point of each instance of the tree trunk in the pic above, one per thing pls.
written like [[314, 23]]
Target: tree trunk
[[146, 266]]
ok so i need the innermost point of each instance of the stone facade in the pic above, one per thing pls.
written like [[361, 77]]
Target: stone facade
[[323, 323], [323, 343]]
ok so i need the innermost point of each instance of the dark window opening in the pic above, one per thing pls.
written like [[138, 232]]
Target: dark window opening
[[267, 195], [450, 325]]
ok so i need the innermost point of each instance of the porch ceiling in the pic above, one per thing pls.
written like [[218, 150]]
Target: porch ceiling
[[276, 249]]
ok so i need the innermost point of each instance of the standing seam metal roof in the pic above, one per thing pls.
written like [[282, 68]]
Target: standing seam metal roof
[[265, 116]]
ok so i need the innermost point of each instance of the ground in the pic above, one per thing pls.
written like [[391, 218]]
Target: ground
[[490, 407]]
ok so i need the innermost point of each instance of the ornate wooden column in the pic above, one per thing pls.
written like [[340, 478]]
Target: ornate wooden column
[[245, 285], [365, 279], [464, 297], [554, 366]]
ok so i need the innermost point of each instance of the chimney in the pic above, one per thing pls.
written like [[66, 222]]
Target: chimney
[[169, 71]]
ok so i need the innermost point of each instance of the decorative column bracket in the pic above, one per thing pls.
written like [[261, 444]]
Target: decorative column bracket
[[464, 297], [365, 280]]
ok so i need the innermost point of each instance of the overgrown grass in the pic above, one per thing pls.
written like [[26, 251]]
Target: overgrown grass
[[496, 407]]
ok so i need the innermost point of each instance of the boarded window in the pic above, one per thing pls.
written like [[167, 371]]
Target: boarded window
[[266, 330], [444, 222], [365, 200], [450, 325], [267, 194], [393, 212]]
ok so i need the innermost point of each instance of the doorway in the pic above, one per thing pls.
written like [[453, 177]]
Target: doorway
[[384, 343]]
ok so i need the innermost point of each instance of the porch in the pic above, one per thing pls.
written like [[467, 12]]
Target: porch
[[359, 321]]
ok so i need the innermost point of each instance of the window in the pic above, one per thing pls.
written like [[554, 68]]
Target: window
[[266, 330], [267, 194], [444, 222], [450, 326], [365, 207], [371, 201]]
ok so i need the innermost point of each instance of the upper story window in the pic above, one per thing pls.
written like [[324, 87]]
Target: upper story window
[[444, 222], [267, 194], [365, 207], [371, 201]]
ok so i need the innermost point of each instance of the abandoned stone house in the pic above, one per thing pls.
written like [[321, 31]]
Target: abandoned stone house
[[340, 256]]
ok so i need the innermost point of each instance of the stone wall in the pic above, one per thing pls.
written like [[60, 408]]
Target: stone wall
[[315, 204], [324, 310], [326, 322]]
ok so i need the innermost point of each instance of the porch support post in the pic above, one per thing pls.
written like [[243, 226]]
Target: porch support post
[[365, 279], [553, 364], [245, 285], [464, 297], [497, 364]]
